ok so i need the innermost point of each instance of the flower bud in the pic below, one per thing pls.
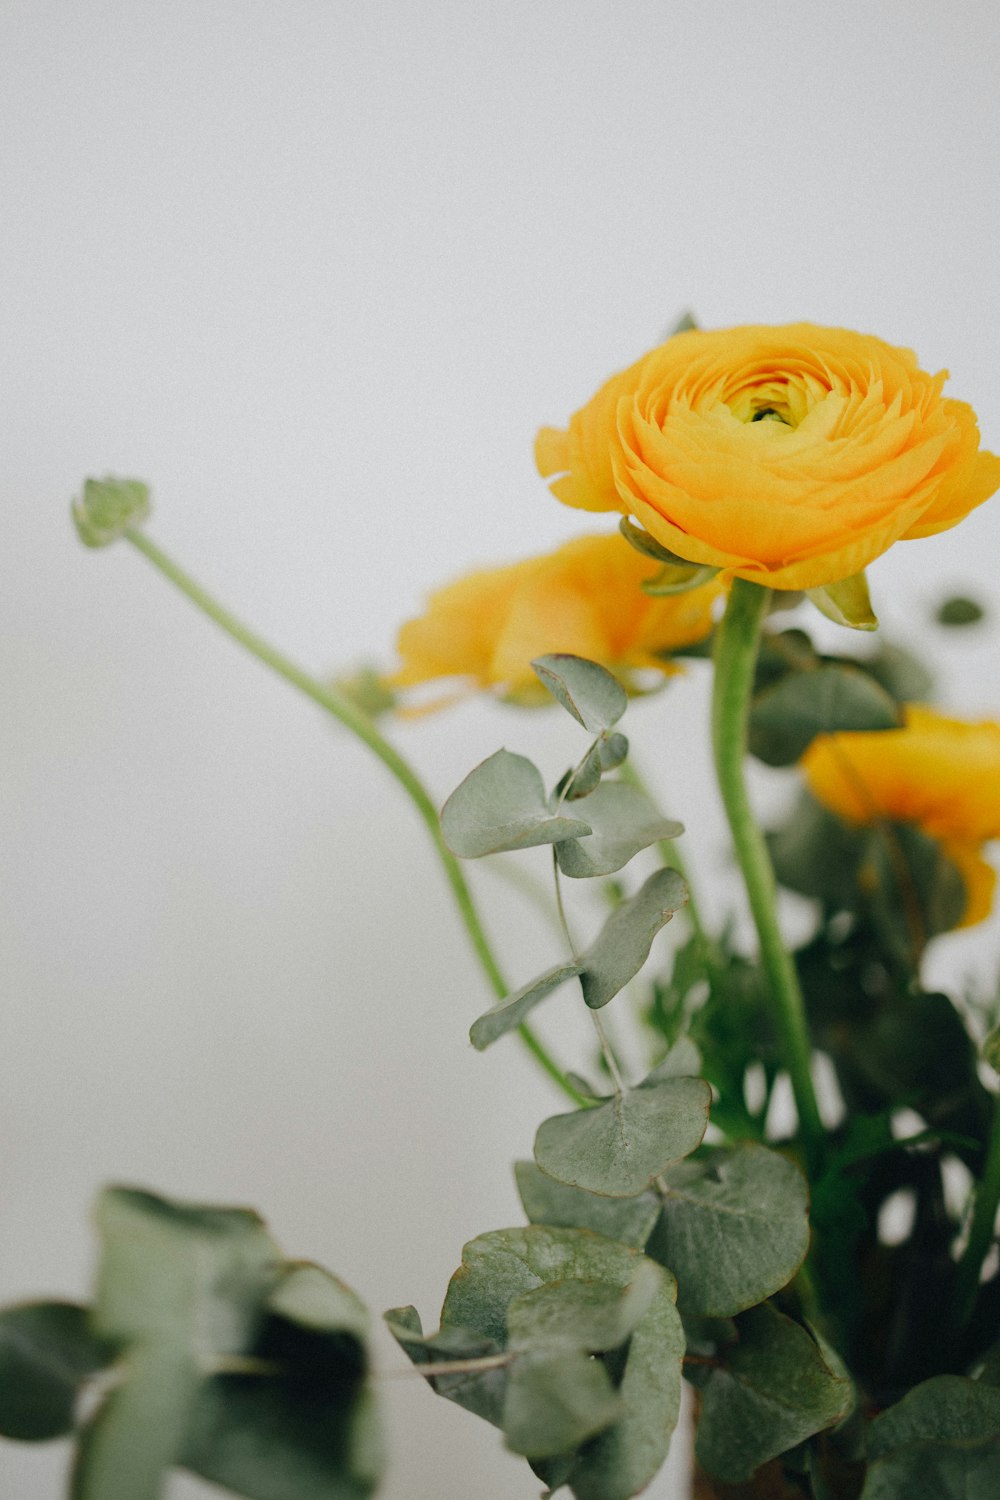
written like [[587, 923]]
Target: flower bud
[[108, 508]]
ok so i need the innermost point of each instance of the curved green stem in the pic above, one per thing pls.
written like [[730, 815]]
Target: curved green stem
[[673, 859], [737, 644], [358, 722], [981, 1229]]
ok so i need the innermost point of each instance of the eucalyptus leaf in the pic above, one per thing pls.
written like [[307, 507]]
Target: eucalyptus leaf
[[621, 1147], [817, 854], [592, 1315], [502, 805], [734, 1230], [546, 1201], [682, 1061], [594, 697], [936, 1471], [47, 1352], [500, 1266], [510, 1013], [613, 749], [786, 718], [623, 944], [771, 1390], [914, 890], [947, 1408], [137, 1435], [556, 1401], [480, 1391], [276, 1439], [582, 781], [622, 821]]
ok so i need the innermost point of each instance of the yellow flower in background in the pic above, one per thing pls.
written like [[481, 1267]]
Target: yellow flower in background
[[791, 456], [585, 598], [941, 774]]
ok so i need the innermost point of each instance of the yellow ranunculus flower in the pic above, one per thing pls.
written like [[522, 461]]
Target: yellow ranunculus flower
[[941, 774], [586, 598], [791, 456]]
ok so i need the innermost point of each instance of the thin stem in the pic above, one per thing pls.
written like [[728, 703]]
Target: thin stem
[[673, 859], [981, 1229], [455, 1366], [602, 1036], [358, 722], [737, 644]]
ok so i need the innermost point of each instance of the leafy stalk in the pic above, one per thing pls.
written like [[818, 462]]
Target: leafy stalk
[[737, 645], [358, 722]]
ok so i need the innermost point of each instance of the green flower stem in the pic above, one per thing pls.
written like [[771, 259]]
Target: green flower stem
[[356, 720], [737, 644], [984, 1217]]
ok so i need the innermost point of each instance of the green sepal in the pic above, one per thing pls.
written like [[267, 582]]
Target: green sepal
[[846, 602], [108, 507], [677, 578]]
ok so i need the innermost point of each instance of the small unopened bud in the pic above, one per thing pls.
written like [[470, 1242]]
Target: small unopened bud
[[108, 508], [369, 690]]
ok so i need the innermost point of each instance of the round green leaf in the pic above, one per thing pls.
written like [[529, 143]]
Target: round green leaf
[[787, 717], [734, 1230], [623, 945], [623, 820], [620, 1147], [546, 1201], [510, 1013], [501, 805], [594, 697]]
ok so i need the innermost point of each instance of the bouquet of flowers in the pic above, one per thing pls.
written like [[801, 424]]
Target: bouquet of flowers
[[792, 1203]]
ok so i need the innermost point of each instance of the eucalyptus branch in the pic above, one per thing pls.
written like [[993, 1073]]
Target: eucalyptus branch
[[358, 722], [737, 645]]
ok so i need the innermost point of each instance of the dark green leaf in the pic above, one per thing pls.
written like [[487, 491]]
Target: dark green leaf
[[623, 944], [786, 718], [991, 1049], [620, 1147], [817, 855], [735, 1228], [959, 611], [546, 1201], [773, 1390], [283, 1439], [510, 1013], [47, 1352], [901, 673], [502, 805], [914, 891], [623, 820], [941, 1442], [594, 697]]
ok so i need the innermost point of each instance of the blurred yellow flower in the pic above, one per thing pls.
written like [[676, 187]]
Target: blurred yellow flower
[[941, 774], [585, 598], [791, 456]]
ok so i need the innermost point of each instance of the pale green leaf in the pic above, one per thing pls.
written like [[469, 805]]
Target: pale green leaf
[[556, 1401], [623, 944], [623, 820], [546, 1201], [620, 1147], [137, 1435], [502, 805], [735, 1228], [511, 1012], [591, 1315], [594, 697]]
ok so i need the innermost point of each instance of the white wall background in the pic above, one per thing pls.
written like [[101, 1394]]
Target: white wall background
[[318, 271]]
